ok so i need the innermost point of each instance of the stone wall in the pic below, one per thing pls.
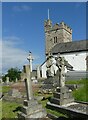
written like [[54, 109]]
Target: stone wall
[[56, 34]]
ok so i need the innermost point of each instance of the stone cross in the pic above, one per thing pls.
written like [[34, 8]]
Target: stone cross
[[30, 59], [61, 71], [28, 84]]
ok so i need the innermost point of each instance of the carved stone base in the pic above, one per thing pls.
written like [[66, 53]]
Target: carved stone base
[[62, 96], [31, 109]]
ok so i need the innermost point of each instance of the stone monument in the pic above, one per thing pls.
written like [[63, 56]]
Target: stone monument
[[51, 66], [30, 59], [7, 80], [16, 80], [62, 95], [15, 93], [31, 108]]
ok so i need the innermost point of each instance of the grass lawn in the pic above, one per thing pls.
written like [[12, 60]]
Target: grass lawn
[[5, 89], [9, 109], [54, 112], [0, 110], [83, 81], [80, 94]]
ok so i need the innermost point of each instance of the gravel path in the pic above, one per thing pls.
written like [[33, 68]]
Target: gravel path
[[79, 107]]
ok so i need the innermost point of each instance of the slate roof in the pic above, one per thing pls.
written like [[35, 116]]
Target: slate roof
[[74, 46]]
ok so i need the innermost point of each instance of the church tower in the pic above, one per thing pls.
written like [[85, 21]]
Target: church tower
[[55, 34]]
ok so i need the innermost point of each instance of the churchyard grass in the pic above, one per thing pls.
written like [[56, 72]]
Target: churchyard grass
[[0, 110], [80, 94], [49, 111], [5, 89], [8, 109], [82, 81]]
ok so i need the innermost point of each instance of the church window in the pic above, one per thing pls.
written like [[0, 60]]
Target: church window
[[55, 39]]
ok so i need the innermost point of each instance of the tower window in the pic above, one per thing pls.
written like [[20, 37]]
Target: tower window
[[55, 39]]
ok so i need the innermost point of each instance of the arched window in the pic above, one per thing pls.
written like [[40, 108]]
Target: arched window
[[55, 39]]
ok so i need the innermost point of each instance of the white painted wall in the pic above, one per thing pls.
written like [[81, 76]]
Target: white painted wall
[[77, 60], [43, 70]]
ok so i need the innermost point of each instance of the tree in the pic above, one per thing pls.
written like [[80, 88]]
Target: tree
[[12, 73]]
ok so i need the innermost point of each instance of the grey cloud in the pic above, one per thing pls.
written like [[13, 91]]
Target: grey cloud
[[11, 55]]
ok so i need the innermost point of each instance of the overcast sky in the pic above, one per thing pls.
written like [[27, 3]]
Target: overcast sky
[[23, 28]]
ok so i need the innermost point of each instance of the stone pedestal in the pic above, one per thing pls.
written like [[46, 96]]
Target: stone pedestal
[[31, 109], [62, 96]]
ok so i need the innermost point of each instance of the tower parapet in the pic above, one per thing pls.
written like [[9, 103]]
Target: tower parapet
[[48, 25], [65, 26], [55, 34]]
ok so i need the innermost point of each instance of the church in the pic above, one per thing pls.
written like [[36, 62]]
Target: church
[[58, 40]]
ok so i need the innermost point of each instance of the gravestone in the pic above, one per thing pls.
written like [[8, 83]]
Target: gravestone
[[31, 108], [62, 95], [51, 81], [7, 80], [15, 93], [16, 80]]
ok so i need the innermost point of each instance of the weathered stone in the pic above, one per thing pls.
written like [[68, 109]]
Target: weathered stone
[[7, 80], [62, 96], [59, 33], [30, 59], [31, 108], [28, 83], [15, 93]]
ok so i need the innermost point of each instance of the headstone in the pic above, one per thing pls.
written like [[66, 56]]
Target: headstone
[[51, 81], [31, 108], [62, 95], [7, 80], [15, 93], [16, 80]]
